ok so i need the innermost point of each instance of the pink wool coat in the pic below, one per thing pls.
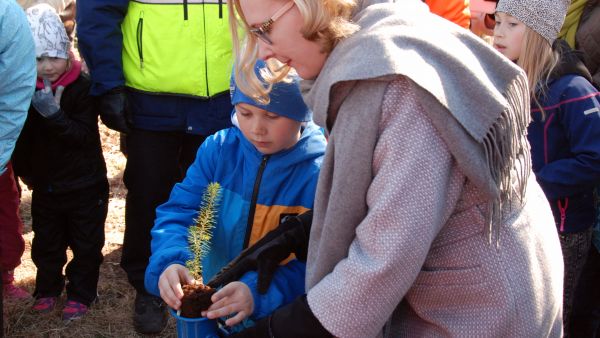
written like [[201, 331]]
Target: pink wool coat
[[399, 246]]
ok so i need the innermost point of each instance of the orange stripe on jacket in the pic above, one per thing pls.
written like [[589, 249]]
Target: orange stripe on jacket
[[266, 218]]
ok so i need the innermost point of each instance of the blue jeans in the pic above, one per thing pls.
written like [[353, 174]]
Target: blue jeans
[[575, 249]]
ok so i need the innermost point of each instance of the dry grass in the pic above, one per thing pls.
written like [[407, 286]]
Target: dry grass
[[111, 316]]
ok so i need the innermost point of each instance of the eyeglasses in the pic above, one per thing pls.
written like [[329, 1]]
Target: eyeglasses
[[262, 31]]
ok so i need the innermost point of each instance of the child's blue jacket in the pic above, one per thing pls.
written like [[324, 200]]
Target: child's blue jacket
[[284, 288], [565, 145], [257, 191]]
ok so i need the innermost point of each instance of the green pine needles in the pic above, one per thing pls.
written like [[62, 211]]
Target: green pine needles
[[200, 232]]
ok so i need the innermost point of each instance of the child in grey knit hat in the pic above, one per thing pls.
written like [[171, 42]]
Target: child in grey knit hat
[[545, 17], [565, 130]]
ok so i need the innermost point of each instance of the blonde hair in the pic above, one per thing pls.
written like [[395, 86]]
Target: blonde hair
[[326, 22], [537, 60]]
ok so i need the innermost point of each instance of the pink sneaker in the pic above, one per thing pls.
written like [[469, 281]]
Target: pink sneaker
[[11, 291], [44, 304], [73, 310]]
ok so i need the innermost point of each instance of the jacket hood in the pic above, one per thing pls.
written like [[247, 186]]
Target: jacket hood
[[570, 62]]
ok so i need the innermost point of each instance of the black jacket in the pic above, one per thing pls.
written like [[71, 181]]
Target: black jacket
[[588, 39], [62, 153]]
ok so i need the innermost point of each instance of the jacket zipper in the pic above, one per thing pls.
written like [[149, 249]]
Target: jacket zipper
[[563, 213], [139, 32], [546, 125], [139, 35], [185, 17], [205, 54], [254, 199]]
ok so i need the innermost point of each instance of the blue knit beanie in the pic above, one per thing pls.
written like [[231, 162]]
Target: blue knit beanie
[[286, 99]]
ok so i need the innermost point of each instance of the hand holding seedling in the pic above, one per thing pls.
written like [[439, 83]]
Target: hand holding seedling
[[235, 298], [170, 282], [192, 299]]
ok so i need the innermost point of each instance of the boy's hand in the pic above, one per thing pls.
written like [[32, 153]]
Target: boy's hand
[[169, 284], [233, 298]]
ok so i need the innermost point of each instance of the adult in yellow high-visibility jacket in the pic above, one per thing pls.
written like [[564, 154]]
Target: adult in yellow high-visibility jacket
[[161, 70]]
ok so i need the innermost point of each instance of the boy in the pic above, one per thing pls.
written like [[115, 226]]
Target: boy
[[267, 165]]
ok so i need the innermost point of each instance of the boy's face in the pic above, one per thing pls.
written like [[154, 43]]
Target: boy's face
[[51, 68], [268, 132], [508, 35]]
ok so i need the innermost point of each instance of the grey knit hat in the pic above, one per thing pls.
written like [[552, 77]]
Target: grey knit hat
[[546, 17], [49, 33]]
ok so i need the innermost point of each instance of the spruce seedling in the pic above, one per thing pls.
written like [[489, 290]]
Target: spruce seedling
[[201, 232]]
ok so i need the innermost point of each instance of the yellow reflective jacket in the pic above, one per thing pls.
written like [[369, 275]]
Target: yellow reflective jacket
[[179, 47]]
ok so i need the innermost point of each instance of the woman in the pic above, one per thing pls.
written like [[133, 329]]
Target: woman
[[422, 224]]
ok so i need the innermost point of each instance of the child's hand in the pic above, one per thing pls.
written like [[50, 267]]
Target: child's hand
[[169, 284], [45, 102], [234, 297]]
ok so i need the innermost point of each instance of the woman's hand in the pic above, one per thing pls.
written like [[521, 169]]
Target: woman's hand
[[169, 284], [291, 236], [235, 298]]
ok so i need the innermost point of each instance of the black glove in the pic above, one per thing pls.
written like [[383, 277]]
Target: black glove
[[294, 320], [114, 110], [291, 236]]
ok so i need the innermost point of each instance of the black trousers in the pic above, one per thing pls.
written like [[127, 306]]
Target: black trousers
[[585, 319], [76, 220], [155, 162]]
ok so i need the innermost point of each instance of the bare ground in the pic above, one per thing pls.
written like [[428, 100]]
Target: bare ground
[[111, 316]]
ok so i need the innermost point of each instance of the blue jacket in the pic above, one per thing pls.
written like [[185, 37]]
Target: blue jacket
[[17, 76], [287, 285], [257, 191], [101, 42], [565, 146]]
